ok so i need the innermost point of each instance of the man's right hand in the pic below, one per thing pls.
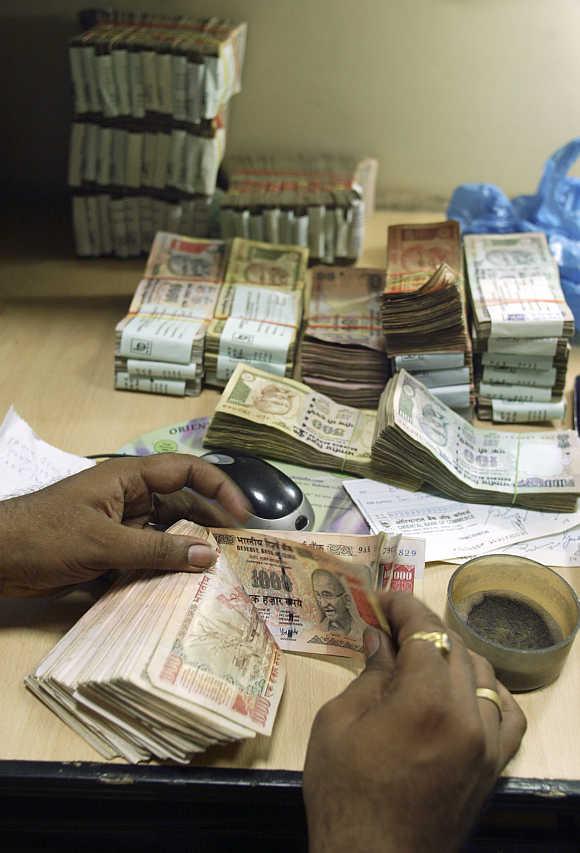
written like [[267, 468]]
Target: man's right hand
[[404, 758]]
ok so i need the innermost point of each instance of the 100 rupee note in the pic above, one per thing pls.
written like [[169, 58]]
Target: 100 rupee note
[[419, 440]]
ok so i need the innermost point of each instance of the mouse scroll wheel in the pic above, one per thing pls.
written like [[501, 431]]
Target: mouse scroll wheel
[[218, 459]]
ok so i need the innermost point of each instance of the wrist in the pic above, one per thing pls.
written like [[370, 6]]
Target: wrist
[[350, 830], [16, 531]]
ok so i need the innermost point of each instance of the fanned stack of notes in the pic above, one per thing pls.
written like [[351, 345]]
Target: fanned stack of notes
[[423, 309], [165, 665], [205, 306], [280, 418], [414, 441], [343, 348], [522, 325], [419, 442], [150, 100], [318, 202]]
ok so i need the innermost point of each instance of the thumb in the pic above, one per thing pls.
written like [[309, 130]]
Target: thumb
[[370, 686], [151, 550]]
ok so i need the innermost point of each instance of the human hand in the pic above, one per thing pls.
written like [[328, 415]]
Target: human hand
[[404, 758], [80, 527]]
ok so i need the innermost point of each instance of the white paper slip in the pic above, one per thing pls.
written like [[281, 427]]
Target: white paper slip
[[522, 306], [560, 549], [263, 344], [162, 369], [517, 362], [454, 396], [27, 463], [440, 378], [452, 529], [158, 309], [512, 376], [521, 393], [515, 412], [523, 346], [159, 338], [260, 303], [149, 385], [429, 361]]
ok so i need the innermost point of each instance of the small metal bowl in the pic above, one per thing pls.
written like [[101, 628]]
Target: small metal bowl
[[520, 615]]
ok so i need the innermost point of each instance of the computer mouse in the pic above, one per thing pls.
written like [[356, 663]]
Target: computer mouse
[[277, 502]]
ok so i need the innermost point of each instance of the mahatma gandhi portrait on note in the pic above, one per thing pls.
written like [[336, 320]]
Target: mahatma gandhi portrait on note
[[333, 602]]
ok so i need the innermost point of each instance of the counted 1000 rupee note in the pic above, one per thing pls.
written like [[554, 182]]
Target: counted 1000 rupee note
[[318, 596]]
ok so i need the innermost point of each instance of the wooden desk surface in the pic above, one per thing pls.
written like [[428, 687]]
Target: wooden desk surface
[[56, 363]]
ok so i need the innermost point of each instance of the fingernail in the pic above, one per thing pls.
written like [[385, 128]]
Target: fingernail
[[201, 555], [371, 641]]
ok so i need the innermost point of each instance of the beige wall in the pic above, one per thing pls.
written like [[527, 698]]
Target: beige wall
[[441, 91]]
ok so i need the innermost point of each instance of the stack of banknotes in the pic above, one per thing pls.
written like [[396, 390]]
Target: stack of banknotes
[[159, 345], [317, 202], [259, 310], [521, 327], [131, 183], [343, 347], [414, 441], [424, 310], [420, 443], [280, 418], [150, 101], [125, 225], [166, 665], [203, 307]]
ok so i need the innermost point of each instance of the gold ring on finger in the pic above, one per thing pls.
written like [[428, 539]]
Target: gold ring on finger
[[491, 696], [440, 639]]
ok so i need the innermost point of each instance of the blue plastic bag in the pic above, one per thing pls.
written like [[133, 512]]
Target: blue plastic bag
[[554, 209]]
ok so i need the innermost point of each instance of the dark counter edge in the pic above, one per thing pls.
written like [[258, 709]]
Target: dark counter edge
[[35, 778]]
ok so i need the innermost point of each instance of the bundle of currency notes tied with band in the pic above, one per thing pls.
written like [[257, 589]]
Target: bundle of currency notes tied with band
[[420, 443], [521, 327], [150, 99], [166, 665], [424, 310], [318, 202], [414, 441], [343, 348], [203, 307], [280, 418]]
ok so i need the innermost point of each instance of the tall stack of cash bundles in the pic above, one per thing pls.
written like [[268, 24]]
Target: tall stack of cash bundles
[[521, 327], [203, 307], [148, 134], [424, 310], [259, 310], [316, 202], [343, 347], [159, 345]]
